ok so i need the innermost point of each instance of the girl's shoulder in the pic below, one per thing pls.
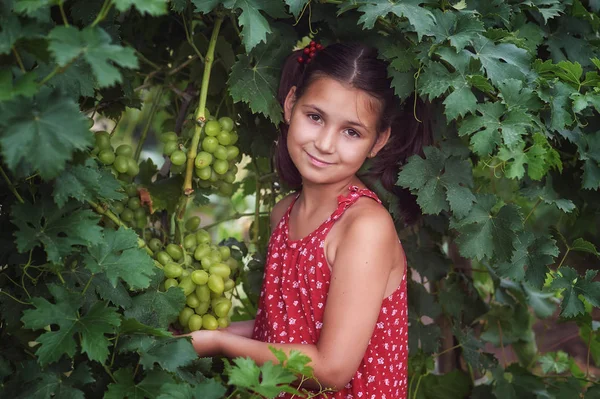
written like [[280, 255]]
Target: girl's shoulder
[[367, 217], [280, 208]]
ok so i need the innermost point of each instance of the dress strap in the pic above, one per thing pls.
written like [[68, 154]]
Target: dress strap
[[345, 201]]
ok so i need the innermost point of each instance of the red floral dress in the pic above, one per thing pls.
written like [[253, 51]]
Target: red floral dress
[[292, 303]]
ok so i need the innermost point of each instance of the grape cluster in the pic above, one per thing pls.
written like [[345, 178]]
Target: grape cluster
[[130, 210], [121, 159], [203, 271], [216, 157]]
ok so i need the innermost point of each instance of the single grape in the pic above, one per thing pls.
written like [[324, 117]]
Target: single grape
[[225, 252], [102, 140], [132, 167], [155, 244], [215, 284], [184, 315], [118, 207], [172, 270], [220, 152], [192, 300], [178, 157], [170, 282], [203, 237], [163, 258], [127, 215], [226, 189], [187, 285], [134, 203], [174, 251], [195, 322], [189, 241], [209, 322], [220, 269], [229, 177], [121, 164], [192, 223], [125, 150], [107, 157], [212, 128], [199, 277], [203, 159], [224, 138], [214, 177], [203, 293], [223, 322], [232, 152], [168, 136], [226, 123], [215, 255], [222, 309], [131, 190], [140, 213], [209, 144], [201, 251], [170, 147], [232, 263], [202, 308], [220, 166], [234, 138], [204, 173], [206, 262], [228, 285]]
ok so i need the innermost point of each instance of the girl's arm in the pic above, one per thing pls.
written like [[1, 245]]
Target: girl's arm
[[358, 282], [242, 328]]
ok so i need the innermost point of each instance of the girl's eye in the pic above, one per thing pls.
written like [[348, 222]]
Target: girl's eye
[[352, 133], [314, 117]]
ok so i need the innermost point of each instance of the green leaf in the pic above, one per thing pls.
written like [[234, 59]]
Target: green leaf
[[485, 233], [554, 362], [548, 8], [77, 80], [169, 353], [501, 61], [49, 383], [472, 349], [419, 17], [23, 85], [132, 326], [549, 196], [166, 305], [92, 326], [296, 6], [86, 183], [582, 245], [57, 230], [210, 389], [268, 380], [455, 384], [542, 303], [42, 133], [575, 286], [459, 28], [255, 77], [441, 182], [154, 384], [94, 44], [151, 7], [588, 146], [120, 257]]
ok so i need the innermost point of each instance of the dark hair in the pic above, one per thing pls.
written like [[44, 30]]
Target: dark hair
[[358, 66]]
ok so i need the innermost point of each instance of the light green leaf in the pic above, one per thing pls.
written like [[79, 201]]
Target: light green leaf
[[554, 362], [94, 44], [150, 7], [42, 133], [419, 17], [99, 320], [459, 28], [501, 61]]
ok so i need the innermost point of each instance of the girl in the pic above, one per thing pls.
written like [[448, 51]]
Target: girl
[[335, 278]]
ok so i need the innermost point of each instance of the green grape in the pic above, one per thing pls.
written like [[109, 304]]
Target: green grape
[[132, 167], [213, 176], [140, 213], [220, 152], [177, 169], [185, 273], [203, 293], [163, 258], [168, 136], [195, 322], [107, 157], [215, 255], [170, 147], [206, 262], [203, 159], [233, 169], [202, 308], [204, 183], [172, 270], [223, 322], [228, 285], [226, 189], [232, 152], [203, 237], [127, 215], [225, 252], [170, 282], [215, 283], [212, 128], [222, 309], [184, 315], [90, 122], [125, 150], [234, 138], [174, 251], [232, 263], [220, 269], [178, 157], [131, 190], [204, 173], [134, 203], [224, 138], [192, 223], [155, 244], [199, 277], [102, 140], [220, 166], [192, 300], [209, 144], [189, 241], [209, 322], [226, 123], [201, 251], [117, 208], [187, 285], [229, 177], [121, 164]]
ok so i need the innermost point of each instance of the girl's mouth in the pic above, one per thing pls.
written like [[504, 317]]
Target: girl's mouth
[[317, 162]]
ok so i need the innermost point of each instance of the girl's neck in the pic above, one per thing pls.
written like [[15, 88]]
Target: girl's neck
[[318, 197]]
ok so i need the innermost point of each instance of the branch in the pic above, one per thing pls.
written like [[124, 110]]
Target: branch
[[11, 187]]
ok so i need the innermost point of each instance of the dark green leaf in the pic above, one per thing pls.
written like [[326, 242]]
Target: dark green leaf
[[575, 286], [166, 305], [584, 246], [419, 17]]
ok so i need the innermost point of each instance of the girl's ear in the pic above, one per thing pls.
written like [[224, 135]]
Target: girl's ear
[[288, 104], [380, 142]]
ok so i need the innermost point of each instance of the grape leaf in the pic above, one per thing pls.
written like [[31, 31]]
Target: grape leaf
[[575, 286], [423, 336], [549, 196], [86, 183], [487, 233], [169, 353], [118, 295], [77, 80], [94, 44], [296, 6], [472, 349], [539, 157], [542, 303], [23, 85], [454, 384], [166, 305], [132, 326], [584, 246], [419, 17], [548, 8], [92, 326], [268, 380], [588, 146], [205, 6], [178, 5], [554, 362], [151, 7], [13, 29], [501, 61], [530, 259], [296, 361], [119, 257], [507, 323], [255, 77], [49, 383], [57, 230], [459, 28], [154, 384], [42, 133], [583, 101], [441, 182]]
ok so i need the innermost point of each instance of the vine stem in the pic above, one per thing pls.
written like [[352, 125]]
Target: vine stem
[[587, 365], [62, 13], [200, 114], [155, 104], [18, 57], [446, 350], [27, 303], [102, 13], [11, 186], [502, 343], [563, 258], [539, 201], [105, 212], [417, 387], [232, 393]]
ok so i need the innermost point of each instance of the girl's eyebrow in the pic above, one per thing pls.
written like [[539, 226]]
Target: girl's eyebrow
[[320, 111]]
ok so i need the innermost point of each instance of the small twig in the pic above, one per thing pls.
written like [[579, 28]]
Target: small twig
[[11, 187], [18, 57], [102, 13], [446, 350], [13, 298], [587, 365], [532, 209], [62, 13], [183, 65]]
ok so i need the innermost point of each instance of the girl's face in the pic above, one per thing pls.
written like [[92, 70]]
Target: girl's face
[[333, 129]]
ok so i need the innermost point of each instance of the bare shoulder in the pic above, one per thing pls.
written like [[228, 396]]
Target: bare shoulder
[[280, 208], [370, 219]]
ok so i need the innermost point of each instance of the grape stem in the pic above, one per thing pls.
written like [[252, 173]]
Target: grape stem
[[153, 108], [105, 212], [11, 186]]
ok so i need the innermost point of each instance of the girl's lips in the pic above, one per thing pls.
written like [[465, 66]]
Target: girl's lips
[[317, 161]]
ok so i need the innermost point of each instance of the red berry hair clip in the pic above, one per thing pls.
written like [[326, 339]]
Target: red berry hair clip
[[309, 52]]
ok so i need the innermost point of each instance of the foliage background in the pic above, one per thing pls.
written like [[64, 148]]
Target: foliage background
[[506, 253]]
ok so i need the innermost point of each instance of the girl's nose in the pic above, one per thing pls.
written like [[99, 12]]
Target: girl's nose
[[325, 141]]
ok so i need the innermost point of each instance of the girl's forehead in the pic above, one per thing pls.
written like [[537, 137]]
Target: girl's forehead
[[342, 101]]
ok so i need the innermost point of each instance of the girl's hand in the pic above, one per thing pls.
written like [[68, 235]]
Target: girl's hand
[[206, 342]]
